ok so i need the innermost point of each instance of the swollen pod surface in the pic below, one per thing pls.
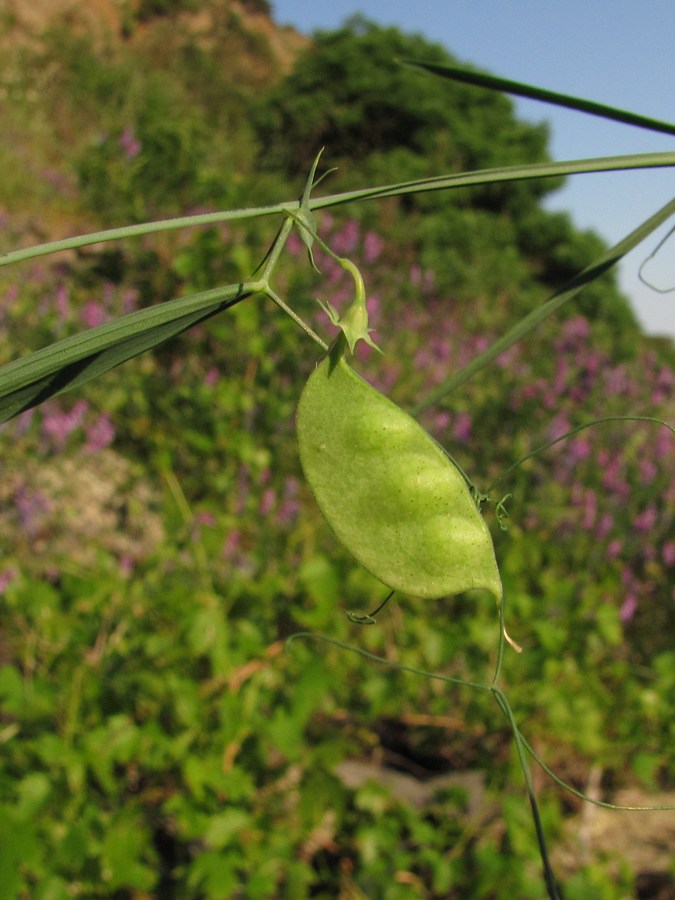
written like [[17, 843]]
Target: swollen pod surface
[[388, 491]]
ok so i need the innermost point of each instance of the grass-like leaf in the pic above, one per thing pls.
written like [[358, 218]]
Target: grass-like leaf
[[505, 85], [420, 185], [31, 380], [563, 295]]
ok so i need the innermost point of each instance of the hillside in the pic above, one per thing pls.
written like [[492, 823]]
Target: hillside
[[138, 21], [69, 70], [161, 736]]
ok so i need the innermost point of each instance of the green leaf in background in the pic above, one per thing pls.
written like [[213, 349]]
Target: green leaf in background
[[19, 846]]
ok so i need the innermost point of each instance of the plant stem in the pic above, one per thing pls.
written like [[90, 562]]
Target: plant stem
[[296, 318], [549, 877]]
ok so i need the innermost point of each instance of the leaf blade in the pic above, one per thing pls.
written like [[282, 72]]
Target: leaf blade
[[421, 185], [555, 98], [563, 295], [69, 363]]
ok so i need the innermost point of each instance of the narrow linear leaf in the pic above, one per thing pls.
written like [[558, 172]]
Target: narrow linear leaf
[[420, 185], [69, 363], [563, 295], [127, 231], [500, 174], [305, 218], [505, 85]]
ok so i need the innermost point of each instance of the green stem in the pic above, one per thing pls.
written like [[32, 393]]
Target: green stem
[[549, 877], [506, 709], [273, 254], [262, 285], [296, 318]]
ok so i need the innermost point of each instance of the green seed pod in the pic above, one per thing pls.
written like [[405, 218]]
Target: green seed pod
[[388, 491]]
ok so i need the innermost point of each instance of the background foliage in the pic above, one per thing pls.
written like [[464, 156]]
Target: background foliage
[[158, 544]]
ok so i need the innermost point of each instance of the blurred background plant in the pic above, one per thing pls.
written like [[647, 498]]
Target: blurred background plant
[[159, 545]]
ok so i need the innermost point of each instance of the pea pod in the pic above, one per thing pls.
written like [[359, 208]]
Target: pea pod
[[388, 491]]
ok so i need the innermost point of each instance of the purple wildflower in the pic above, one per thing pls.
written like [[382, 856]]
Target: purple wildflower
[[346, 240], [646, 520], [616, 380], [62, 303], [267, 501], [129, 143], [663, 444], [129, 300], [668, 553], [574, 332], [665, 380], [579, 449], [429, 280], [93, 314], [614, 548], [126, 565], [57, 425], [294, 244], [31, 507], [605, 525], [290, 506], [613, 481], [558, 427], [372, 246], [205, 518], [648, 470], [462, 427], [373, 307], [628, 608], [11, 294], [100, 435], [232, 543], [7, 576]]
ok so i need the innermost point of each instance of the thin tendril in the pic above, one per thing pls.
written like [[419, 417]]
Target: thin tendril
[[434, 676], [644, 280], [568, 434], [568, 787], [502, 513], [369, 618]]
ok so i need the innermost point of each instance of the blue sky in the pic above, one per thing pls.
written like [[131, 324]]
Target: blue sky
[[618, 52]]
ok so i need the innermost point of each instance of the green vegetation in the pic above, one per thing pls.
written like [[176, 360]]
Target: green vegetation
[[159, 544], [348, 93]]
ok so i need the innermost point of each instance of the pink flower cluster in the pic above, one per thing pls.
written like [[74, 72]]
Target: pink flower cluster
[[58, 424]]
